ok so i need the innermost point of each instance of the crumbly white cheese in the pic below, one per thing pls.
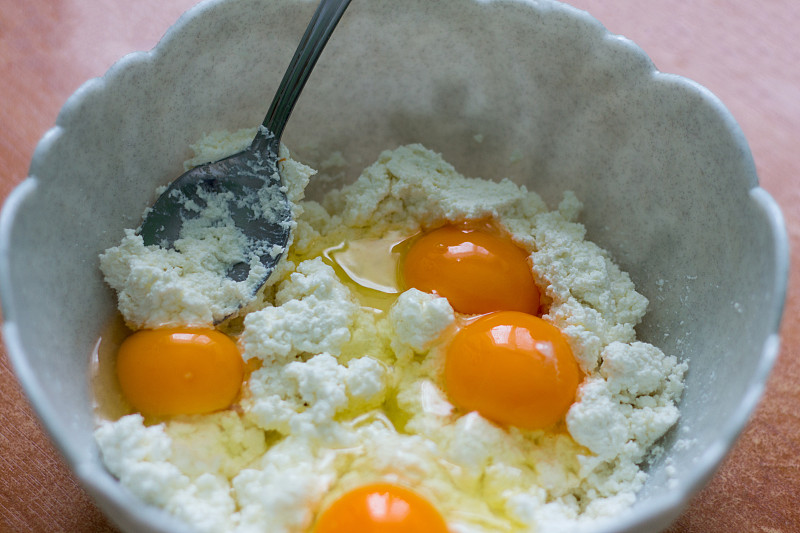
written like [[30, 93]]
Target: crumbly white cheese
[[418, 319], [303, 398], [345, 396], [313, 313]]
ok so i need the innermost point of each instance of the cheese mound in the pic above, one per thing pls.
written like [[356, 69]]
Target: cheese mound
[[417, 320], [346, 395]]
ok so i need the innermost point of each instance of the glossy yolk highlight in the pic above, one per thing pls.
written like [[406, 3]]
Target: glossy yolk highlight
[[477, 269], [513, 368], [381, 508], [166, 372]]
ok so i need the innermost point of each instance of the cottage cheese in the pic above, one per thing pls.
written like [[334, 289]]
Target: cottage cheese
[[345, 395]]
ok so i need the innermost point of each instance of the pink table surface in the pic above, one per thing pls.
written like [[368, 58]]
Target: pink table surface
[[746, 52]]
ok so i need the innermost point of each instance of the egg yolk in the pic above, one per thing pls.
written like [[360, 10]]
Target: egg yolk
[[381, 508], [513, 368], [165, 372], [476, 268]]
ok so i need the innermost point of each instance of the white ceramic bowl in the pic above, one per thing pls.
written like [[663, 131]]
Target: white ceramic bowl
[[664, 171]]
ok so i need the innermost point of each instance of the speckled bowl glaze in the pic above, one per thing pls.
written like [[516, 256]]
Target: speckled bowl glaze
[[536, 91]]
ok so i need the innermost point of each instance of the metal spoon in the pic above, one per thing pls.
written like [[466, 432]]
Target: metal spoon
[[242, 180]]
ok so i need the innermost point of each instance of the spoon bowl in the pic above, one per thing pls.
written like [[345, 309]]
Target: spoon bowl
[[243, 192]]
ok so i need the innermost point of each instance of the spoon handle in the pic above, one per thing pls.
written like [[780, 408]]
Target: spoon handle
[[305, 57]]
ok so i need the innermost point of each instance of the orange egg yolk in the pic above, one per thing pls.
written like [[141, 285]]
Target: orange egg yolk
[[381, 508], [513, 368], [165, 372], [477, 269]]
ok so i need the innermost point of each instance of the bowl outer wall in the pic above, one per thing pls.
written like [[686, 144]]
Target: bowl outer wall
[[665, 174]]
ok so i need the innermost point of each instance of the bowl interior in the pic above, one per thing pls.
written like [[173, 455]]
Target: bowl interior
[[537, 92]]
